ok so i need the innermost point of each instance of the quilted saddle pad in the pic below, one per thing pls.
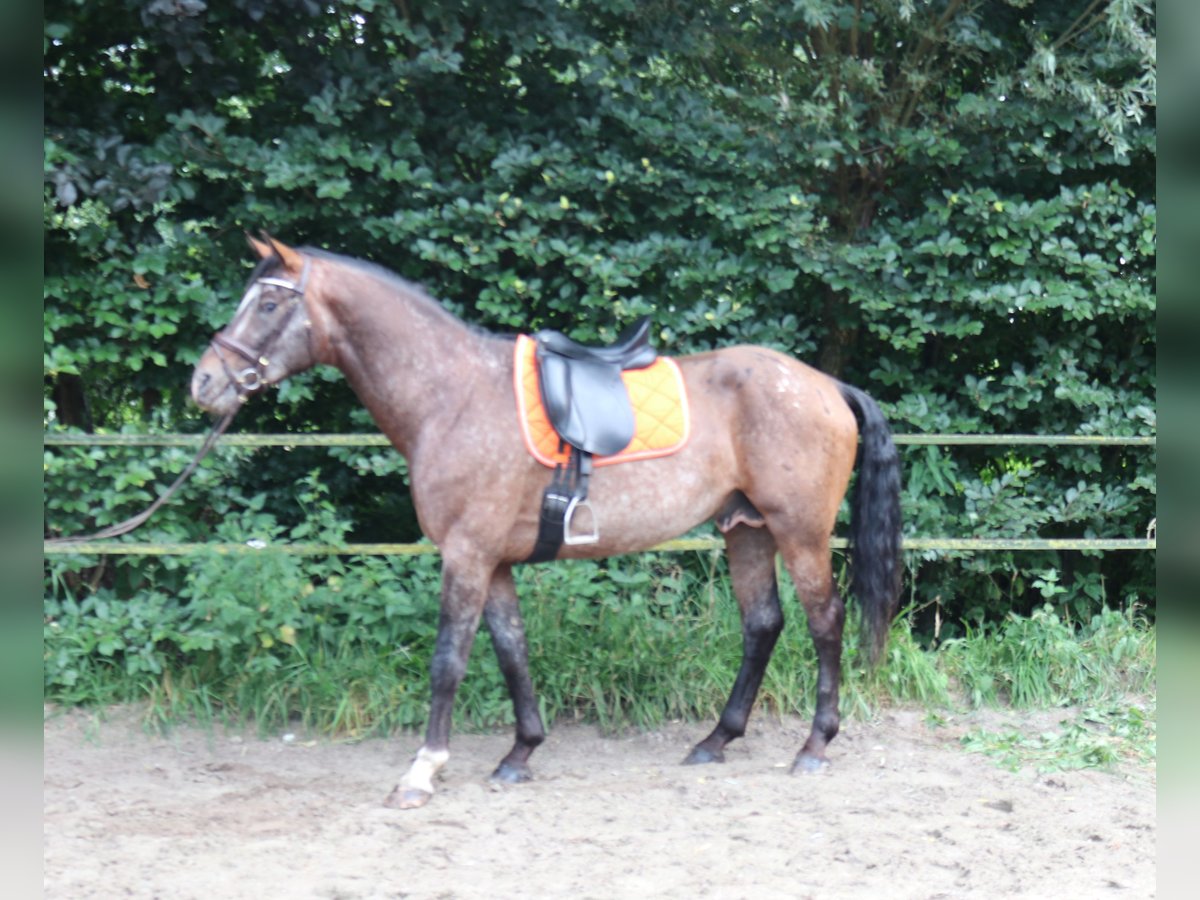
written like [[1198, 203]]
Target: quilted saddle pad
[[659, 405]]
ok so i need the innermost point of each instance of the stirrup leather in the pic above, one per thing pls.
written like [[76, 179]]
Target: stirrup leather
[[566, 495]]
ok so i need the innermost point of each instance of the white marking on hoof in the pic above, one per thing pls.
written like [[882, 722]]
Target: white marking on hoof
[[419, 777]]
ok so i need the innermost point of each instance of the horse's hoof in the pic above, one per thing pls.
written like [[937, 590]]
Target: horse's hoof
[[507, 773], [407, 798], [807, 763], [701, 755]]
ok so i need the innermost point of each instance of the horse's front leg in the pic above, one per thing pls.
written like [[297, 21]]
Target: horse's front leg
[[464, 592], [503, 616]]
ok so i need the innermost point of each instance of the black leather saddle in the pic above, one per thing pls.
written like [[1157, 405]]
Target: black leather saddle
[[587, 403], [582, 389]]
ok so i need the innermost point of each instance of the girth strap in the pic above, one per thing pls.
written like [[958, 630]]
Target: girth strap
[[563, 499]]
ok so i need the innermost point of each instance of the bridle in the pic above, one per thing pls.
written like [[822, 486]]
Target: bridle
[[247, 382], [253, 378]]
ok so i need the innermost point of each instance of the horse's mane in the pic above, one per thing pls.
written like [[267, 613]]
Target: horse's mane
[[373, 269], [411, 290]]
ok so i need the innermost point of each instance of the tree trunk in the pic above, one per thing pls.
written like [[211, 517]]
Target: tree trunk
[[71, 404], [838, 339]]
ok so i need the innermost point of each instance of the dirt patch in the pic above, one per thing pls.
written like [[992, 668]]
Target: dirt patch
[[902, 812]]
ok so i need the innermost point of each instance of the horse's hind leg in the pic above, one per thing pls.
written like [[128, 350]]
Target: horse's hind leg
[[812, 573], [751, 554], [503, 617]]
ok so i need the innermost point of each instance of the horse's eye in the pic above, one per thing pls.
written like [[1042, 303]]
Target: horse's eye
[[268, 306]]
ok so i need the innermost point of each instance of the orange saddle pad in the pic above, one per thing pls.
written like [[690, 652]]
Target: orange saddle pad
[[659, 406]]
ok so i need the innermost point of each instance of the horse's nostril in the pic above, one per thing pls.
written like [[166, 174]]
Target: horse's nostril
[[200, 384]]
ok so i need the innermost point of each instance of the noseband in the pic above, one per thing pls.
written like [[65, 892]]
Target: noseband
[[252, 378]]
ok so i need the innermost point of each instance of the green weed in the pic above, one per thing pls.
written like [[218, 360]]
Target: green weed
[[1092, 737], [342, 646], [1043, 660]]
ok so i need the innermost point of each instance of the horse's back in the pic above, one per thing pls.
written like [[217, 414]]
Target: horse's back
[[770, 391]]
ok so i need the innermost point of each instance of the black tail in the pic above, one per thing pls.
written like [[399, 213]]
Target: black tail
[[875, 559]]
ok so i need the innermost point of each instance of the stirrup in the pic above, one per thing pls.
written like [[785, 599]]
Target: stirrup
[[569, 537]]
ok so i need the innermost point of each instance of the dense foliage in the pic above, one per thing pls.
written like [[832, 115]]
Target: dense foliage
[[948, 203]]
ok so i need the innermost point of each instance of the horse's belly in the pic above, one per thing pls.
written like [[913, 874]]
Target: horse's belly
[[634, 513]]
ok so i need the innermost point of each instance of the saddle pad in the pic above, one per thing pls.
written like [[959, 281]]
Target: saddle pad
[[659, 407]]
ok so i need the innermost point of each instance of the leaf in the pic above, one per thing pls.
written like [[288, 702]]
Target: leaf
[[334, 189]]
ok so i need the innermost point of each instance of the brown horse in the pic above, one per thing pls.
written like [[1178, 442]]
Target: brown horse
[[772, 446]]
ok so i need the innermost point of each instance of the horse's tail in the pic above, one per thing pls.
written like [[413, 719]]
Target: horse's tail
[[875, 559]]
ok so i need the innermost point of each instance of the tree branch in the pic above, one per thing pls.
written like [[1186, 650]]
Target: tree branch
[[1077, 27], [919, 59]]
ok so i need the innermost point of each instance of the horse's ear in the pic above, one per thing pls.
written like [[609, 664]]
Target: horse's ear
[[261, 248], [292, 259]]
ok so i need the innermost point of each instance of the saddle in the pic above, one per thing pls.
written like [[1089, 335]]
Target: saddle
[[587, 403], [582, 390]]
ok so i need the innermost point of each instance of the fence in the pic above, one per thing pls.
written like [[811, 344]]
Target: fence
[[136, 548]]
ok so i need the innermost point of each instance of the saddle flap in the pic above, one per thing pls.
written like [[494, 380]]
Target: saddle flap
[[587, 403]]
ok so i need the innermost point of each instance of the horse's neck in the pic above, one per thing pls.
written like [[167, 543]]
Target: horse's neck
[[409, 361]]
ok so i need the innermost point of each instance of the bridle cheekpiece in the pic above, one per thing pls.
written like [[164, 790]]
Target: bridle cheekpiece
[[253, 378]]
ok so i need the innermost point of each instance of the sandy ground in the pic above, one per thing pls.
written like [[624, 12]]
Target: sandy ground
[[903, 811]]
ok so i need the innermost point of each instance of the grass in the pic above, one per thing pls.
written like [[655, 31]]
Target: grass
[[1046, 662], [1097, 736], [632, 642]]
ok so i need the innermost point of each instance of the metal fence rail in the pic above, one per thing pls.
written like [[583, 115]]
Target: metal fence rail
[[148, 548], [55, 439]]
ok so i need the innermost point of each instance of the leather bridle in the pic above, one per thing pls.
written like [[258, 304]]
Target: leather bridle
[[253, 378], [247, 382]]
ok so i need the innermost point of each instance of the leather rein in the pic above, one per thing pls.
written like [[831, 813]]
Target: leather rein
[[247, 382]]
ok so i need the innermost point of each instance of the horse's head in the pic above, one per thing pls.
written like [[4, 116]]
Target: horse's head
[[269, 337]]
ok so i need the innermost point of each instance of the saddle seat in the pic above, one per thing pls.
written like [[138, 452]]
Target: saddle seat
[[631, 349], [582, 390]]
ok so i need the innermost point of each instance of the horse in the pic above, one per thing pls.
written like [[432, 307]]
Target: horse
[[772, 447]]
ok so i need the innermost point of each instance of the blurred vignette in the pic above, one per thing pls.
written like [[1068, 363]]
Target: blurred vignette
[[20, 290], [1179, 370]]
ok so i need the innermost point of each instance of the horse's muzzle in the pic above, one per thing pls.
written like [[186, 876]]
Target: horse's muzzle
[[211, 392]]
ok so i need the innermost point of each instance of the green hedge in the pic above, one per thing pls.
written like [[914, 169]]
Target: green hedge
[[955, 212]]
